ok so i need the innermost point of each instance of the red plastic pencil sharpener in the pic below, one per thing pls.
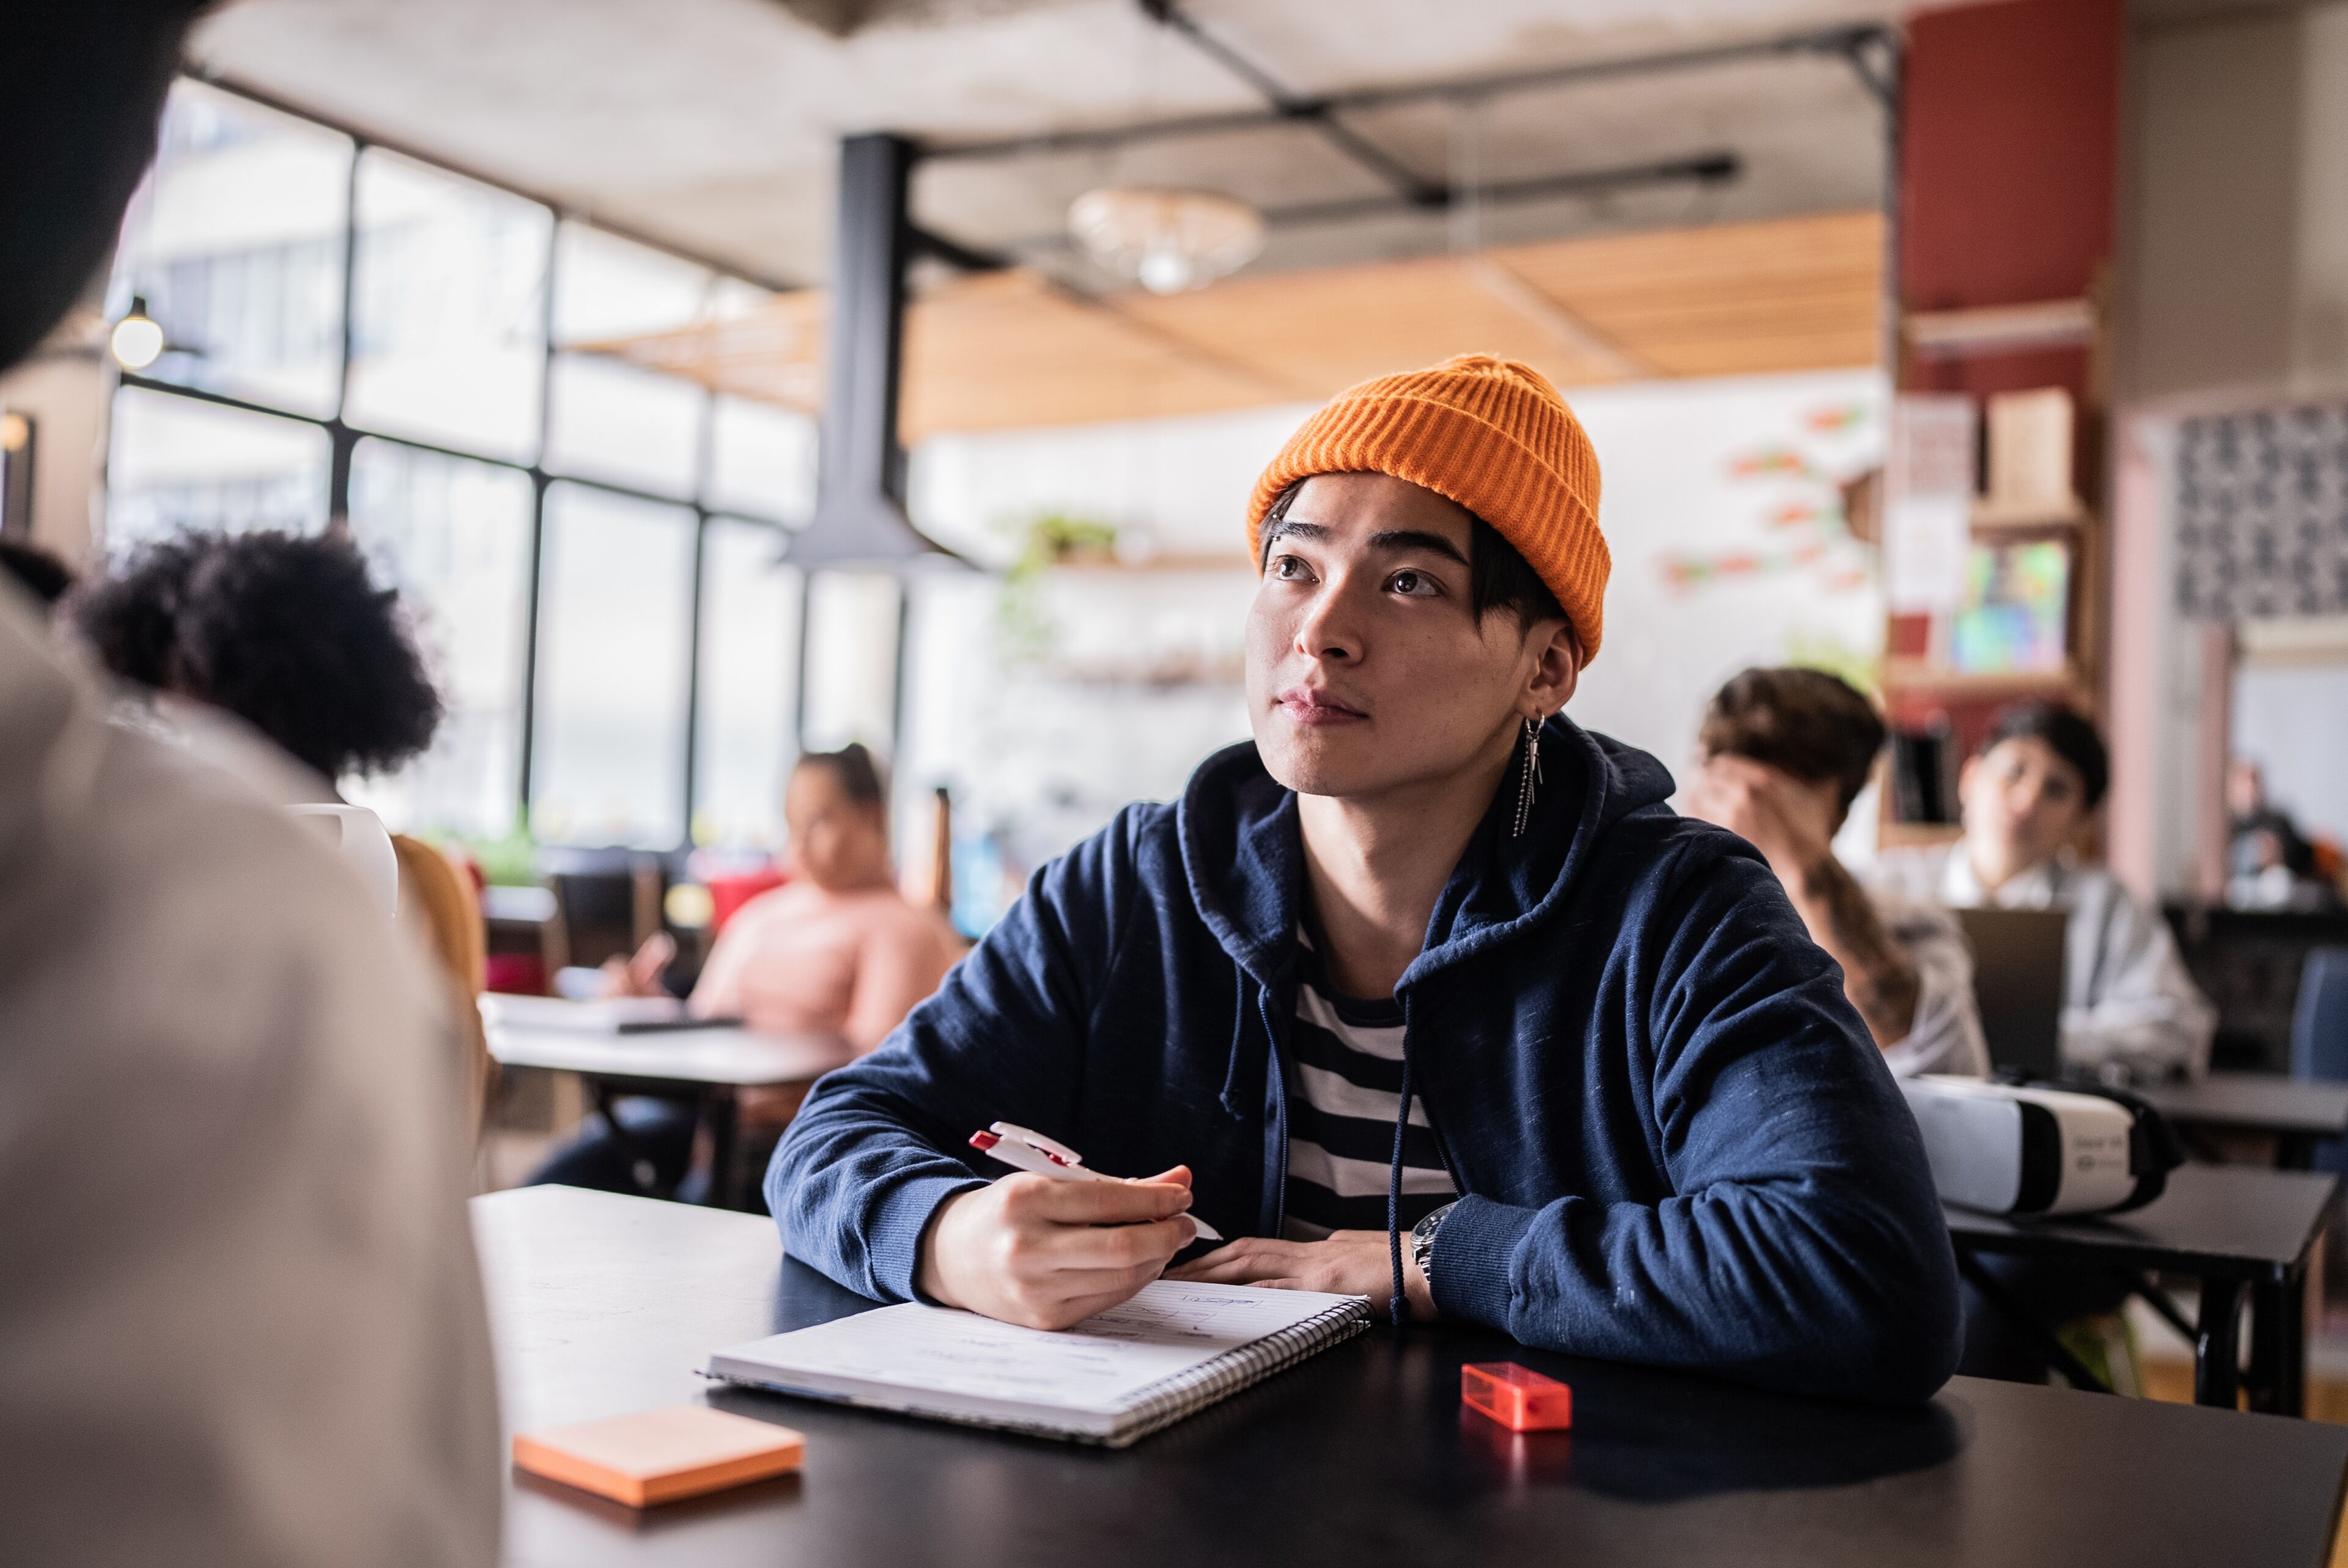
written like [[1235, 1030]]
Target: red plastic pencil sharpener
[[1519, 1398]]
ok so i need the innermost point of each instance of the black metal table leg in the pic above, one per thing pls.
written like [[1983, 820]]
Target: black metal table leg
[[2217, 1357], [2051, 1348], [724, 1116], [643, 1168], [2278, 1346], [2146, 1289]]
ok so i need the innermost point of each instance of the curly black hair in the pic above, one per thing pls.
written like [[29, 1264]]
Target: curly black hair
[[286, 630]]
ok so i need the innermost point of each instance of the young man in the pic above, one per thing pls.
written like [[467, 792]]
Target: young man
[[1426, 958], [1785, 753], [2130, 1012]]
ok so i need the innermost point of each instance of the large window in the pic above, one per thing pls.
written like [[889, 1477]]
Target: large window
[[507, 411], [453, 536], [175, 463], [749, 645], [235, 243], [448, 310]]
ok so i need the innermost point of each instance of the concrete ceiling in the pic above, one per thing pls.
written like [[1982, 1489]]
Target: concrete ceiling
[[712, 124]]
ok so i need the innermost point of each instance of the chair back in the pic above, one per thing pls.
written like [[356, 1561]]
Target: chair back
[[2319, 1024], [442, 901]]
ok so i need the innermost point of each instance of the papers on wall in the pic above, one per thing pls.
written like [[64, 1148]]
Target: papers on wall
[[1928, 506]]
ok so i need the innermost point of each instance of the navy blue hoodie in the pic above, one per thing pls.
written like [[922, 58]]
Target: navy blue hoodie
[[1674, 1140]]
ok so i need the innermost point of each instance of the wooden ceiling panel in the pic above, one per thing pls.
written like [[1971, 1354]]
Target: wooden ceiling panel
[[1013, 349]]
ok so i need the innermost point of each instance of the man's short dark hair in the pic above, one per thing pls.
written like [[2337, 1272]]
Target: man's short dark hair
[[287, 632], [35, 570], [1812, 725], [1499, 576], [2068, 735], [852, 769]]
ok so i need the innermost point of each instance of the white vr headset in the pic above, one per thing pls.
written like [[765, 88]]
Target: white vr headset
[[2034, 1149]]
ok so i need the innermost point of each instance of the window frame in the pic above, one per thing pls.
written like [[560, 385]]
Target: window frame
[[343, 436]]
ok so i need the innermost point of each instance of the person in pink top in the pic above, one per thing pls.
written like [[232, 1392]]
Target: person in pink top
[[836, 950]]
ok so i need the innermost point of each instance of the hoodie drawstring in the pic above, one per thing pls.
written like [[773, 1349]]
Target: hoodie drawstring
[[1239, 1036], [1396, 1307]]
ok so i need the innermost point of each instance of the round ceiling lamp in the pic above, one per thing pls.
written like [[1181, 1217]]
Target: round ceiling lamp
[[137, 341], [1166, 238]]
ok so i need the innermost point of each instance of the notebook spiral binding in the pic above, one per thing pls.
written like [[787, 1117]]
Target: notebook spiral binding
[[1161, 1404]]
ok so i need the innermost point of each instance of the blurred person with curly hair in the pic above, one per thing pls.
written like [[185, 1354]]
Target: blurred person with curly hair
[[288, 632]]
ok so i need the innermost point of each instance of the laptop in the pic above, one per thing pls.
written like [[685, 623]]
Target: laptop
[[2018, 985]]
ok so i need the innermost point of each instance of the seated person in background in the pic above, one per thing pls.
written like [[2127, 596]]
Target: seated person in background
[[2130, 1012], [287, 636], [836, 949], [2275, 865], [1424, 995], [1785, 753], [287, 633]]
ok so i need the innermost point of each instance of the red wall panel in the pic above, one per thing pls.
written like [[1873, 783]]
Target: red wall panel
[[2009, 152]]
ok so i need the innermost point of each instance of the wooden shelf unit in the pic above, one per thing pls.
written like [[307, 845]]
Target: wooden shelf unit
[[1913, 686]]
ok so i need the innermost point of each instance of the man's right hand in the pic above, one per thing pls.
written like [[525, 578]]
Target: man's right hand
[[1046, 1253]]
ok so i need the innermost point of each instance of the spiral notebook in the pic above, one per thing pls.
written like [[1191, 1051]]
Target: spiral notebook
[[1115, 1377]]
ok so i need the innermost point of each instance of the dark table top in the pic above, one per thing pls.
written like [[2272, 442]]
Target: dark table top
[[2235, 1221], [1361, 1455], [2258, 1101]]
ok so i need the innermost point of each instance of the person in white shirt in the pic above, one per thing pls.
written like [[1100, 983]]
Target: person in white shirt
[[240, 1319], [2130, 1013], [1784, 753]]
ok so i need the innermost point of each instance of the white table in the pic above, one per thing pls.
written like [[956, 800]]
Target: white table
[[706, 1066]]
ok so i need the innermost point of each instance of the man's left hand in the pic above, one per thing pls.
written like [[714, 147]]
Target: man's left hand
[[1350, 1263]]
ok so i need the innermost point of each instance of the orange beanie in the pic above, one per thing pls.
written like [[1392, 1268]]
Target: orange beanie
[[1489, 434]]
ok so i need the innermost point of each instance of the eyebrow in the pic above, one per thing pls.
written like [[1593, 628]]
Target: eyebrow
[[1389, 539]]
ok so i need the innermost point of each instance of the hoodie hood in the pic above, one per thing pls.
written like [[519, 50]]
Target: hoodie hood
[[1243, 854]]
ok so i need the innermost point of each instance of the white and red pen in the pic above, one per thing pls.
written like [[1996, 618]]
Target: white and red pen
[[1048, 1157]]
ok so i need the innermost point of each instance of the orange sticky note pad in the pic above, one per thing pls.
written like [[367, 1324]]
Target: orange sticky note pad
[[659, 1456], [1519, 1398]]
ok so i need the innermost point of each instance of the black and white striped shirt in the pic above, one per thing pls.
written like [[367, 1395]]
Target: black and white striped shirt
[[1340, 1116]]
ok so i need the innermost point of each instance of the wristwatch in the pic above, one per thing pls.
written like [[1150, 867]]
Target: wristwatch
[[1422, 1242]]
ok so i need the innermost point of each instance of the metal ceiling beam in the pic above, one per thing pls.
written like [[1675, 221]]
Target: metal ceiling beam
[[1405, 183], [860, 505], [1701, 169], [1860, 48]]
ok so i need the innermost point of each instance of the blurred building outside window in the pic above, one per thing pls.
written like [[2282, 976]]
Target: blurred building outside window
[[175, 463], [447, 312], [614, 641], [235, 242], [453, 536], [750, 645]]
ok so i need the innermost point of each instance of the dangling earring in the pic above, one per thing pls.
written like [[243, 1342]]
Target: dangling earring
[[1531, 776]]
